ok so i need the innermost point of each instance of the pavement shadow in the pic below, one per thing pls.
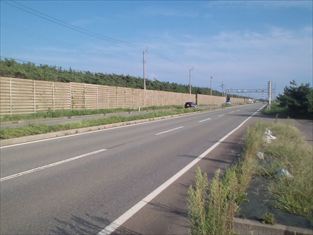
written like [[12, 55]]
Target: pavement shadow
[[169, 209], [86, 224]]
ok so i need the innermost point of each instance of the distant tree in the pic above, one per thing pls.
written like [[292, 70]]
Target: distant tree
[[12, 68], [297, 99]]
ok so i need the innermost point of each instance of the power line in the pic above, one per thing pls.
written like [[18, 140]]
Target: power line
[[62, 23], [78, 29]]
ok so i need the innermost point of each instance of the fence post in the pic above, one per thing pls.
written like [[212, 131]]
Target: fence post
[[97, 96], [84, 96], [71, 97], [34, 96], [53, 97], [11, 96]]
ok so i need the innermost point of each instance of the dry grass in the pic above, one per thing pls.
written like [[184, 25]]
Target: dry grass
[[212, 207]]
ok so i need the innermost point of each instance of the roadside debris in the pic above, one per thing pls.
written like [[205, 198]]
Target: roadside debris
[[260, 155], [284, 173], [268, 136]]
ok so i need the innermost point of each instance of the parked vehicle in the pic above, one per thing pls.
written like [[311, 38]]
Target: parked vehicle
[[190, 105]]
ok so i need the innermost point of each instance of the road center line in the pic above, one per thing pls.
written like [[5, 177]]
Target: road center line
[[138, 206], [207, 119], [50, 165], [163, 132]]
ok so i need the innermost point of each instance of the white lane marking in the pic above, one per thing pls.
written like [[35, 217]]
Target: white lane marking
[[107, 129], [173, 129], [237, 110], [112, 128], [207, 119], [231, 111], [50, 165], [133, 210], [221, 115]]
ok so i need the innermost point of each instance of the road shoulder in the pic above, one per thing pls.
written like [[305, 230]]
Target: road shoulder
[[167, 213]]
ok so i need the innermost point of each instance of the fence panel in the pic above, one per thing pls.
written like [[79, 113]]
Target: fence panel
[[19, 96]]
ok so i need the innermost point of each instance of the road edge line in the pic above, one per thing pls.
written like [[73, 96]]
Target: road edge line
[[139, 205]]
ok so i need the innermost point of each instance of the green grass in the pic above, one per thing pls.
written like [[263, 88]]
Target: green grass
[[293, 153], [41, 129], [81, 112], [268, 218], [59, 113], [276, 110]]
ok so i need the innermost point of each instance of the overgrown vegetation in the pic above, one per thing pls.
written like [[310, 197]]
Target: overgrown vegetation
[[290, 152], [268, 218], [212, 206], [12, 68], [296, 101], [81, 112], [41, 129]]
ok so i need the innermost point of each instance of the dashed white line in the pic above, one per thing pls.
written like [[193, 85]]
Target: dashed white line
[[174, 129], [133, 210], [207, 119], [50, 165], [221, 115]]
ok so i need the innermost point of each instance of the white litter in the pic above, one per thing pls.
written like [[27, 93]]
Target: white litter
[[284, 173], [268, 136], [260, 155]]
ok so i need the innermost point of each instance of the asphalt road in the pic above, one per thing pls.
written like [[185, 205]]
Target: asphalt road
[[80, 184]]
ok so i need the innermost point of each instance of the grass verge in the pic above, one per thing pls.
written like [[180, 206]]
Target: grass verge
[[293, 153], [71, 113], [212, 206], [41, 129], [276, 110]]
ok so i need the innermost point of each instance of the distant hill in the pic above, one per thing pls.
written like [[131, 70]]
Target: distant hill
[[12, 68]]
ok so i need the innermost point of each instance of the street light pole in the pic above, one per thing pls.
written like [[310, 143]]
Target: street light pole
[[211, 85], [144, 75], [144, 68], [190, 80]]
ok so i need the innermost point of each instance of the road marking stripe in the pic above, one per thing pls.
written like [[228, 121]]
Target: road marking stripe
[[207, 119], [133, 210], [221, 115], [50, 165], [173, 129]]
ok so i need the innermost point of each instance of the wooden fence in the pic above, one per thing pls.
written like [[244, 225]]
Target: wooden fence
[[19, 96]]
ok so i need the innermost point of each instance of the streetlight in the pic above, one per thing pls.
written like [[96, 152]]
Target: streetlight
[[144, 68], [211, 85], [190, 80]]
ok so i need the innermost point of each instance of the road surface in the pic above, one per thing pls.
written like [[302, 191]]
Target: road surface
[[80, 184]]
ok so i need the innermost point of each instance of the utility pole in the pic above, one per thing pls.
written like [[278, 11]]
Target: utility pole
[[269, 86], [144, 68], [144, 75], [211, 85], [190, 80], [222, 88]]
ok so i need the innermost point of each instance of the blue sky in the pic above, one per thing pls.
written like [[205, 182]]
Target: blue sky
[[242, 43]]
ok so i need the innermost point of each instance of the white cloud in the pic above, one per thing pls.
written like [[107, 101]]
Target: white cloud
[[242, 59]]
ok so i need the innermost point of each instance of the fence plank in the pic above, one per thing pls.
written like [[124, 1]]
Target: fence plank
[[27, 96]]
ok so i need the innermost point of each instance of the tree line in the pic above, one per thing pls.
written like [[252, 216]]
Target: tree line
[[297, 100], [13, 68]]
